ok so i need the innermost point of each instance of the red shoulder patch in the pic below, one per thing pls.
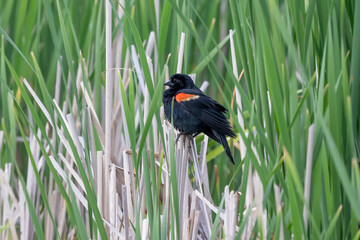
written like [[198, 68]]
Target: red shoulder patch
[[185, 97]]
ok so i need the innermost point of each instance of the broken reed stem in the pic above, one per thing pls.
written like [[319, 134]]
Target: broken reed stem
[[181, 53], [108, 99], [308, 172], [199, 181], [278, 209], [237, 93], [99, 184]]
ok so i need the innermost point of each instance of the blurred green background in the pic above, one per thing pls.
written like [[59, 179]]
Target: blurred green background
[[301, 62]]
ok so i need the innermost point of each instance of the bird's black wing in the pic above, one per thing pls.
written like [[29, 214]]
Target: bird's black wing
[[210, 112]]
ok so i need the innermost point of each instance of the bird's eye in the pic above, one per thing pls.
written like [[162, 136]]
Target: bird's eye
[[173, 80]]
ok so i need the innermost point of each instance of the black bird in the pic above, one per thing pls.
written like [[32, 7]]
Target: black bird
[[194, 112]]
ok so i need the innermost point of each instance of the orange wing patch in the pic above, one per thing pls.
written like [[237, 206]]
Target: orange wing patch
[[185, 97]]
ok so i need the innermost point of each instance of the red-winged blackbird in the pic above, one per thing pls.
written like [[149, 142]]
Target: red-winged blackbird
[[194, 112]]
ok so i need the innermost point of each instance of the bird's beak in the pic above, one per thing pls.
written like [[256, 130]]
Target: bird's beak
[[169, 84]]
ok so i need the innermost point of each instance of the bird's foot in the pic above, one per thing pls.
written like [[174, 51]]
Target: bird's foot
[[189, 135], [178, 136]]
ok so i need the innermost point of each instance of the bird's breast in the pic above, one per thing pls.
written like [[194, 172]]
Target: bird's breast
[[167, 107]]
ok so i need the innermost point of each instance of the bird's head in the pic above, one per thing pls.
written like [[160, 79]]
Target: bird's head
[[180, 81]]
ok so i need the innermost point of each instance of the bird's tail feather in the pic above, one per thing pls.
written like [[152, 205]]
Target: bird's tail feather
[[221, 138]]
